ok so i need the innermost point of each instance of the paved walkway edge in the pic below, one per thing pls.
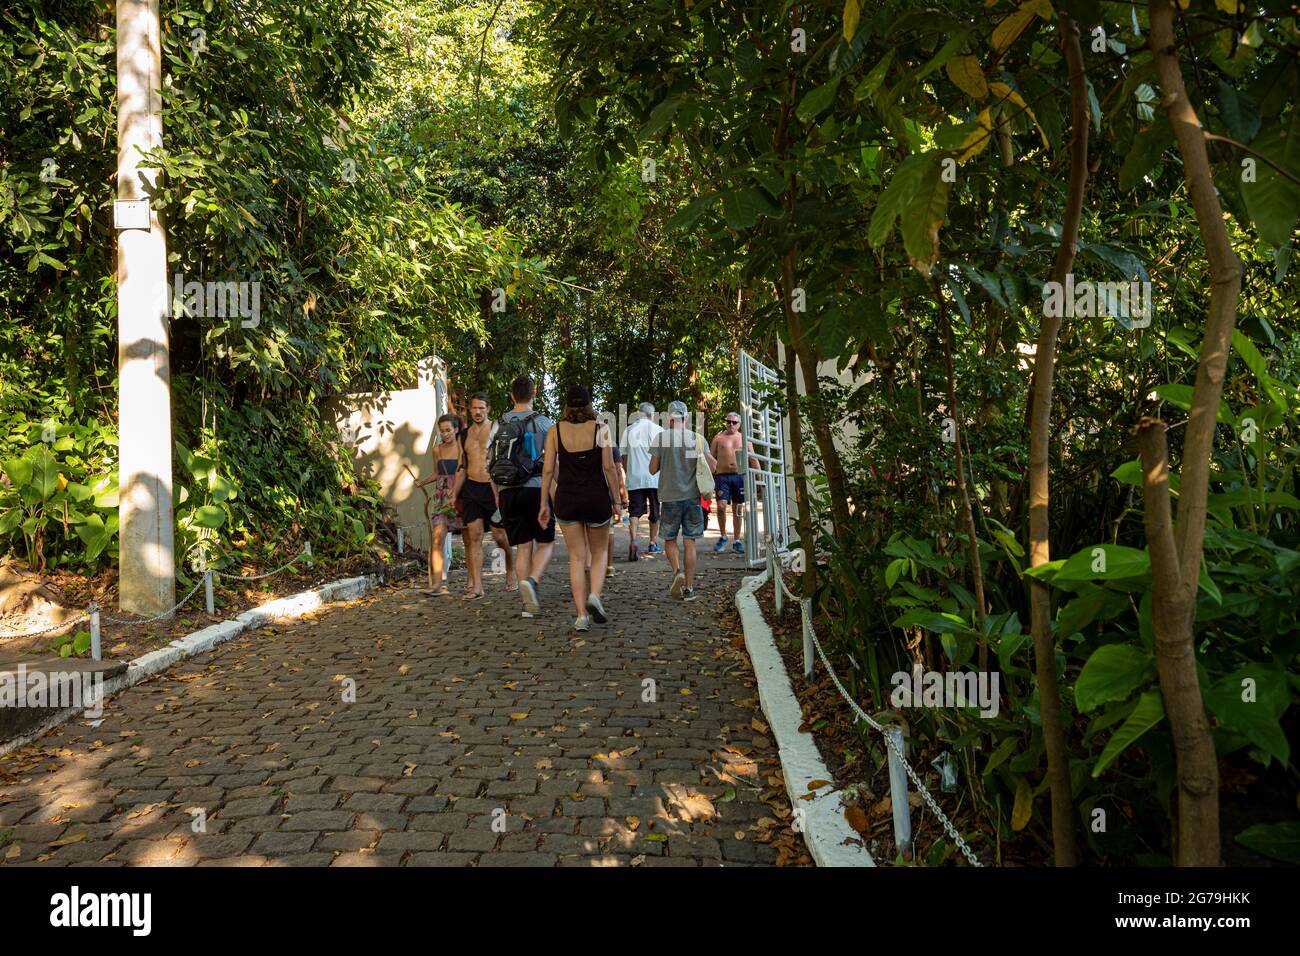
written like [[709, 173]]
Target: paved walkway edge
[[197, 642], [824, 829]]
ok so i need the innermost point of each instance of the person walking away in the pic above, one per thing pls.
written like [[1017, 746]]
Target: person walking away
[[578, 476], [674, 456], [642, 486], [448, 475], [619, 495], [518, 451], [478, 498], [730, 481]]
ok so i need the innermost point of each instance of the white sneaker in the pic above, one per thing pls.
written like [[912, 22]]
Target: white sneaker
[[679, 581], [581, 623], [596, 609]]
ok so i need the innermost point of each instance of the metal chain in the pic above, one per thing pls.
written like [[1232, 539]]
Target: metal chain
[[258, 577], [805, 605], [157, 617], [45, 630]]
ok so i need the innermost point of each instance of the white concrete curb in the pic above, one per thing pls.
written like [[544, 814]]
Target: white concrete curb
[[286, 608], [824, 826]]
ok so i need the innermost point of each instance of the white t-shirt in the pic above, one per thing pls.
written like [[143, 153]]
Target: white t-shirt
[[636, 453]]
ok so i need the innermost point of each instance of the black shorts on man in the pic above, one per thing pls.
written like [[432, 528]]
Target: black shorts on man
[[641, 500], [478, 502], [519, 507]]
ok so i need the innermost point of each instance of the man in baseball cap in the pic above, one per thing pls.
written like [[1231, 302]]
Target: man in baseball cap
[[673, 454]]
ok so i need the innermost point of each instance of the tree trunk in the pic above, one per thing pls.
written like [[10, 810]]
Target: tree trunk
[[967, 516], [1040, 416], [803, 515], [835, 484], [1176, 554]]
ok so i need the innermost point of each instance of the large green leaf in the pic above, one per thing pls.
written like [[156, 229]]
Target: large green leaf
[[1277, 841], [925, 214], [1150, 710], [815, 101], [44, 479], [209, 516], [1272, 198], [1112, 673], [688, 216], [742, 207], [1250, 702], [1091, 603], [896, 197], [1099, 562], [1244, 347]]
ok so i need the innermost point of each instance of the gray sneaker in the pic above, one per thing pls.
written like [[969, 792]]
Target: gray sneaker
[[689, 594], [581, 623], [679, 581], [596, 609], [528, 590]]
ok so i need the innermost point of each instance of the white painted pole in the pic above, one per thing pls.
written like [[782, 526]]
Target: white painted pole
[[96, 642], [147, 571], [208, 598], [898, 791], [401, 540]]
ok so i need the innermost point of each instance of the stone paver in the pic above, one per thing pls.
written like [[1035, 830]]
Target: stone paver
[[476, 738]]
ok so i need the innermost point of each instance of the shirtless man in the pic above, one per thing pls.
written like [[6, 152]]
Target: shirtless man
[[479, 500], [730, 481]]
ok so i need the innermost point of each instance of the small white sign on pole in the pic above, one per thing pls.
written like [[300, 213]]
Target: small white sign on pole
[[131, 214]]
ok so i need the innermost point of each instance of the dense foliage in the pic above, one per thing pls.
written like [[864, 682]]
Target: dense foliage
[[899, 177], [882, 191]]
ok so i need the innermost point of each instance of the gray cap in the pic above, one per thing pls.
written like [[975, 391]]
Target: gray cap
[[677, 409]]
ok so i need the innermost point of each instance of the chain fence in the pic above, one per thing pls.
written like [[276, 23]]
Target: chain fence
[[94, 614], [892, 740]]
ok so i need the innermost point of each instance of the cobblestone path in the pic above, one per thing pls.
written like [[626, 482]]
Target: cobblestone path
[[476, 738]]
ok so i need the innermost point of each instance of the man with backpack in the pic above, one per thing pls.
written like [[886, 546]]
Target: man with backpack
[[516, 457]]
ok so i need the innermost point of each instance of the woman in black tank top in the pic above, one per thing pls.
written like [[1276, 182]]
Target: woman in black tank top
[[577, 476]]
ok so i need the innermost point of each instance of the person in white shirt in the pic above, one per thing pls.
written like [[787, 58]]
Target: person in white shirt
[[642, 487]]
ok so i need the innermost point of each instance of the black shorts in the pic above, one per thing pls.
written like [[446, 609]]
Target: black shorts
[[592, 513], [477, 502], [641, 500], [519, 507]]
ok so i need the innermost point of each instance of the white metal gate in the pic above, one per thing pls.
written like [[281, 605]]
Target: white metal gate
[[762, 426]]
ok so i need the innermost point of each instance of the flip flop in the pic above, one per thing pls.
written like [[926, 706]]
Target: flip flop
[[438, 592], [473, 596]]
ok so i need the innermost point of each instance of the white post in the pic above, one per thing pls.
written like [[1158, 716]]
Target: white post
[[96, 643], [147, 571], [401, 540], [207, 593], [898, 790], [774, 564], [306, 549]]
